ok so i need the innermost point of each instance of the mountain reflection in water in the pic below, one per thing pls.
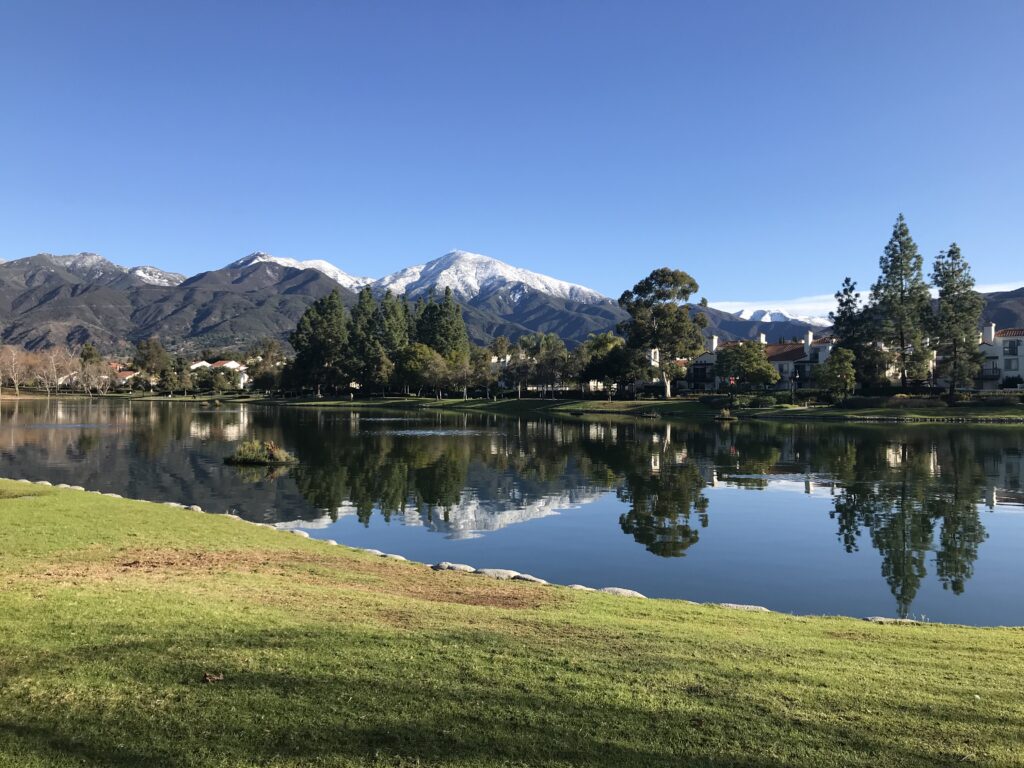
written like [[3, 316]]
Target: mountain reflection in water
[[915, 495]]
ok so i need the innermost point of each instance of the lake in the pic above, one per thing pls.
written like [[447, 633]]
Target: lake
[[921, 521]]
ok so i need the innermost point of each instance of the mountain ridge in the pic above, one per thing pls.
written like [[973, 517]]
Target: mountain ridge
[[49, 299]]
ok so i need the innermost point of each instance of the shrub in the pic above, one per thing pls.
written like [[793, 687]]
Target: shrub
[[764, 401], [1012, 382], [260, 453]]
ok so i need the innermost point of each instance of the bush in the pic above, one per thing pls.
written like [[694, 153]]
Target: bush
[[260, 453], [1012, 382], [764, 401], [805, 396]]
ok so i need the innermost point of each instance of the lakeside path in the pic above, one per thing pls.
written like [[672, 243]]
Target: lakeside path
[[114, 612]]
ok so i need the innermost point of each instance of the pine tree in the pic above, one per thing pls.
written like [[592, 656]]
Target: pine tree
[[390, 324], [956, 321], [320, 341], [362, 359], [442, 328], [857, 330], [903, 304]]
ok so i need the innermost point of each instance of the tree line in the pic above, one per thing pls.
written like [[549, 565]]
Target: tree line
[[899, 330]]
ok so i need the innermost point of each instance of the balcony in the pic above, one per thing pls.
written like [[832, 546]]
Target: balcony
[[990, 373]]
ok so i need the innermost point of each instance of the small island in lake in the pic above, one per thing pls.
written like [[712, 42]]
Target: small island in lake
[[260, 453]]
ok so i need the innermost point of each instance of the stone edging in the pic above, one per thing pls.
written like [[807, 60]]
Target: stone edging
[[501, 574]]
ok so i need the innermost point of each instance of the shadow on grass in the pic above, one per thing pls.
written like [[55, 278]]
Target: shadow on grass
[[324, 696]]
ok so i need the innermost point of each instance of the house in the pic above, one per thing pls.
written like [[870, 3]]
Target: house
[[224, 365], [1003, 353], [795, 362]]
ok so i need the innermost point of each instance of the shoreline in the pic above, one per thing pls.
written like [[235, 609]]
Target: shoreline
[[500, 574], [676, 409], [146, 634]]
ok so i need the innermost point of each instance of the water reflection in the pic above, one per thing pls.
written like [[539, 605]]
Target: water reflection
[[914, 495]]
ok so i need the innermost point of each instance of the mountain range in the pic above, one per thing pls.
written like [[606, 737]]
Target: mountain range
[[49, 299]]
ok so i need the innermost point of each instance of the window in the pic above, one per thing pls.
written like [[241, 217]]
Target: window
[[1011, 348], [1010, 364]]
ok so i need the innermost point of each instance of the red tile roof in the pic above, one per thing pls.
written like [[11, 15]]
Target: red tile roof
[[785, 353], [1008, 332]]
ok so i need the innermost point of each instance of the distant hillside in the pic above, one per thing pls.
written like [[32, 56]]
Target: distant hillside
[[47, 299], [1005, 308]]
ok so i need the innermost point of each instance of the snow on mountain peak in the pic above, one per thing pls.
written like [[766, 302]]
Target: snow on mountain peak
[[339, 276], [779, 316], [470, 274], [154, 276]]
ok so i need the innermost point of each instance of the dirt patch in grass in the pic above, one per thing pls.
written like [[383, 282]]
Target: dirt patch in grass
[[363, 573], [12, 493]]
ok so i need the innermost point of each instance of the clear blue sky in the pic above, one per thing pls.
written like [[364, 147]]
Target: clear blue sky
[[765, 147]]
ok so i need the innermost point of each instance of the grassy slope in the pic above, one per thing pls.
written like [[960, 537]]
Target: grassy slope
[[112, 611]]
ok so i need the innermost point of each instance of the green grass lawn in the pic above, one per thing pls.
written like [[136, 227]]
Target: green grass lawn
[[112, 613]]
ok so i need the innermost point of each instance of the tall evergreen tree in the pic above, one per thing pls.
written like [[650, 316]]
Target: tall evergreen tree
[[903, 304], [363, 360], [856, 329], [442, 328], [320, 341], [956, 321], [660, 319]]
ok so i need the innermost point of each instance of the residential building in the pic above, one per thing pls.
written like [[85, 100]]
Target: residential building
[[1003, 352], [795, 362]]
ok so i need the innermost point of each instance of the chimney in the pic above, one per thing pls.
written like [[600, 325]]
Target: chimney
[[808, 341], [714, 343], [761, 338], [988, 334]]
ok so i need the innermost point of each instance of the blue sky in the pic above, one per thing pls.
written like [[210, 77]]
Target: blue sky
[[765, 147]]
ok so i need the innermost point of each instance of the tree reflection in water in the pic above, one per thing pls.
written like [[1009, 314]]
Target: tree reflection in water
[[915, 494]]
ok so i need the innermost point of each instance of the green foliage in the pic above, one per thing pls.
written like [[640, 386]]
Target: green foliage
[[90, 354], [955, 327], [856, 328], [421, 367], [837, 375], [260, 453], [902, 305], [320, 341], [151, 357], [660, 319], [440, 326], [747, 363]]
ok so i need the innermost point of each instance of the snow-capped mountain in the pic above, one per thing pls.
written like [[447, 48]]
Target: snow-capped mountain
[[93, 268], [154, 276], [778, 316], [470, 274], [337, 275]]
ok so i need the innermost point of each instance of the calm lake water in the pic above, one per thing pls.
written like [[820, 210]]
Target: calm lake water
[[920, 521]]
